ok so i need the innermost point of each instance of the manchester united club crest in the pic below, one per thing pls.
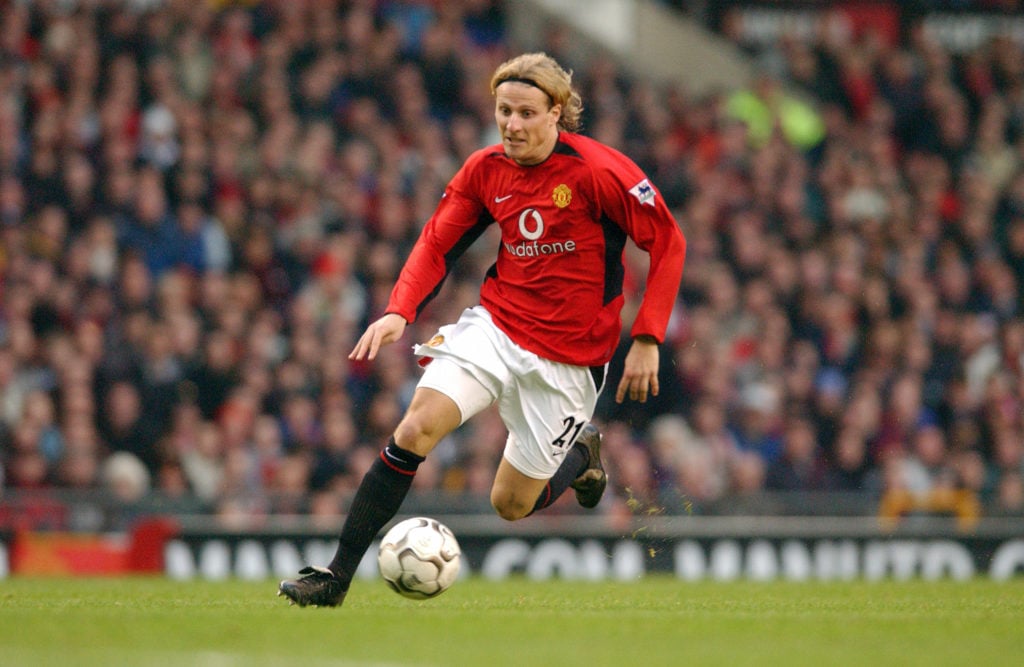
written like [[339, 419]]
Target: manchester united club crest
[[562, 195], [435, 341]]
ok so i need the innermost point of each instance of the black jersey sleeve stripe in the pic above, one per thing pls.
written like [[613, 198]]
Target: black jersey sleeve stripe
[[467, 239], [614, 244]]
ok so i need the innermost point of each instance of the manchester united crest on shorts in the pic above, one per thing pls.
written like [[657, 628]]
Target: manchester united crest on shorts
[[435, 341], [562, 195]]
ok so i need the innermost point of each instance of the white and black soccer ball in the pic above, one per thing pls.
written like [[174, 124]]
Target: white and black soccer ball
[[419, 558]]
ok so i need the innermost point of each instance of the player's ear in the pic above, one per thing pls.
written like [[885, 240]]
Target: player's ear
[[556, 113]]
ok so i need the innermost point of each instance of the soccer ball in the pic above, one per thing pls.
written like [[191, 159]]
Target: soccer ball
[[419, 558]]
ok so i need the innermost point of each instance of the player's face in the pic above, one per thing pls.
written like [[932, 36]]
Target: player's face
[[527, 120]]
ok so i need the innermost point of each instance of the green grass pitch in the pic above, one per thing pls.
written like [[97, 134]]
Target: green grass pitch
[[655, 621]]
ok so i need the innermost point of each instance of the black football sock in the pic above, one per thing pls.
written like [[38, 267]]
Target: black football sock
[[576, 461], [377, 500]]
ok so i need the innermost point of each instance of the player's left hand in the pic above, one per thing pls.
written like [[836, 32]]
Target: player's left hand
[[640, 371]]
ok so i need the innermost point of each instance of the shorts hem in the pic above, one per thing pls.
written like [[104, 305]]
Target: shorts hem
[[529, 471]]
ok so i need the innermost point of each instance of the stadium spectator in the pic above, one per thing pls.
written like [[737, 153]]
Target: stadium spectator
[[850, 464], [126, 477], [124, 424], [766, 108], [799, 466], [1009, 494], [203, 462]]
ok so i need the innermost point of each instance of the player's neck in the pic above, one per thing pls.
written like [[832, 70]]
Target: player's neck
[[533, 160]]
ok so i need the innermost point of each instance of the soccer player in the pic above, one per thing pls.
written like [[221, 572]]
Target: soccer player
[[548, 322]]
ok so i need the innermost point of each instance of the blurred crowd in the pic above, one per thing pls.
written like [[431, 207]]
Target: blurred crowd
[[203, 205]]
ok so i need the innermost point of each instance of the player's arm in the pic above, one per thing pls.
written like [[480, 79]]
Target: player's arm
[[656, 231], [627, 196], [667, 248], [440, 244], [456, 223]]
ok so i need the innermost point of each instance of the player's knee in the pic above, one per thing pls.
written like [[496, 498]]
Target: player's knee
[[430, 417], [417, 434], [510, 509], [512, 512]]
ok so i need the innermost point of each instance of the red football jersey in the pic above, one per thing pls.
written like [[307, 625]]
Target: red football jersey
[[556, 287]]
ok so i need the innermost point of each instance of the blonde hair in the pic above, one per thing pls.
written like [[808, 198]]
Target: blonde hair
[[542, 71]]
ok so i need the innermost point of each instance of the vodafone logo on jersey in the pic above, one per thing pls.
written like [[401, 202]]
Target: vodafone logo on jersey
[[531, 227], [525, 219]]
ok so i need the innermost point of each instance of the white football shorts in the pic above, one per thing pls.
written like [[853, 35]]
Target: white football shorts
[[543, 403]]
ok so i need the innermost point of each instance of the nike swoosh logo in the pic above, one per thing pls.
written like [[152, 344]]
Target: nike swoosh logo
[[498, 200]]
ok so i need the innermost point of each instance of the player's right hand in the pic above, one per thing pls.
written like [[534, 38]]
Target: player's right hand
[[386, 330]]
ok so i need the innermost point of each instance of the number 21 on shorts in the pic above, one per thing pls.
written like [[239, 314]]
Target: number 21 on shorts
[[569, 433]]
